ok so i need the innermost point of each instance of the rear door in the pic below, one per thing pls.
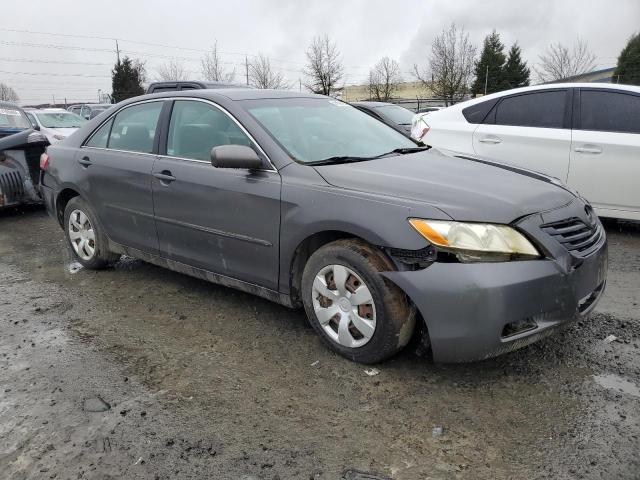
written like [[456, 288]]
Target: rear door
[[530, 130], [222, 220], [116, 163], [605, 151]]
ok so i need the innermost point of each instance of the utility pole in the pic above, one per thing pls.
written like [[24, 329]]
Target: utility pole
[[300, 82], [486, 80], [117, 51], [53, 97], [246, 66]]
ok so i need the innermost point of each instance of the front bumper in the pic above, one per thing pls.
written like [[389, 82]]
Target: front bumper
[[466, 306]]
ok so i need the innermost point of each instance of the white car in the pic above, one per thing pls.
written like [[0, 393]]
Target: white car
[[55, 123], [587, 135]]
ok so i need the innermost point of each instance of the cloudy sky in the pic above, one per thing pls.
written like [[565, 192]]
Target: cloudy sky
[[74, 65]]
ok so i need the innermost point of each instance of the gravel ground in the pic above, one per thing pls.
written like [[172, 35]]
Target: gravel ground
[[139, 372]]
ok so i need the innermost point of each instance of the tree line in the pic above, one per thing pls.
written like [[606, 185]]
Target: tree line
[[452, 72]]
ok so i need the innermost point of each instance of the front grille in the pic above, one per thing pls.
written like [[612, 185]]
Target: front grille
[[576, 236]]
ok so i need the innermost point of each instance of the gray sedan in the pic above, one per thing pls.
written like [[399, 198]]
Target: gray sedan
[[307, 201]]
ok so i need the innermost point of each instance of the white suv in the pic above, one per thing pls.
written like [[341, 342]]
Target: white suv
[[587, 135]]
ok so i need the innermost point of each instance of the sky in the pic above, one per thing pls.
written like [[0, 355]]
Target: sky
[[72, 64]]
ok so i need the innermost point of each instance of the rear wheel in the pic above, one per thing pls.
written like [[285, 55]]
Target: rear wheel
[[353, 308], [84, 234]]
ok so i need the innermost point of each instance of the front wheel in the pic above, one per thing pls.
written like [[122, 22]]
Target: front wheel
[[84, 234], [351, 306]]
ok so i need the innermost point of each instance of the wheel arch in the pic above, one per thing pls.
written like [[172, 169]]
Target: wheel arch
[[305, 248], [62, 199]]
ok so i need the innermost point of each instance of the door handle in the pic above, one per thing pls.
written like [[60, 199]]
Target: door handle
[[491, 140], [165, 177], [592, 149], [85, 162]]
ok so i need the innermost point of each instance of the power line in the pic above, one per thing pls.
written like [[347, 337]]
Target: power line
[[61, 62], [55, 74]]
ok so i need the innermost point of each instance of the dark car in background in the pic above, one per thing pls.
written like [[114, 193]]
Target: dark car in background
[[178, 86], [393, 115], [308, 201], [89, 110]]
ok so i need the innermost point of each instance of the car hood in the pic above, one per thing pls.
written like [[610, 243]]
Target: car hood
[[60, 131], [466, 189]]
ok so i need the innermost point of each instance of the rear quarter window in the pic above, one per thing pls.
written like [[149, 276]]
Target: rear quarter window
[[478, 112]]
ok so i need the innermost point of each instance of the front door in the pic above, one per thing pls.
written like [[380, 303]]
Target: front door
[[223, 220], [605, 152], [529, 130]]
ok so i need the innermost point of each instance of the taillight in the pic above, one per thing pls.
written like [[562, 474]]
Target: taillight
[[44, 161]]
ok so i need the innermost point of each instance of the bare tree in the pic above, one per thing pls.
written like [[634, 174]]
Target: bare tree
[[384, 79], [324, 67], [7, 93], [173, 70], [560, 61], [262, 75], [451, 65], [213, 69]]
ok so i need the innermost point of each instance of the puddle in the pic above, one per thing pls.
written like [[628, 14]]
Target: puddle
[[619, 384]]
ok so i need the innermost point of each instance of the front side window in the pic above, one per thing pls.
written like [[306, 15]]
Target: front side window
[[196, 127], [540, 109], [134, 128], [609, 111], [317, 129]]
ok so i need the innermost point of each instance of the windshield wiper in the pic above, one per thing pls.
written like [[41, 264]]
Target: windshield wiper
[[351, 159]]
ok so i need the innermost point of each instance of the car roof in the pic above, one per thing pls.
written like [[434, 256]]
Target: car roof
[[534, 88], [371, 104], [231, 94]]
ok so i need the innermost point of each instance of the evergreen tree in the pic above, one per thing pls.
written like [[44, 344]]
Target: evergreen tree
[[126, 79], [489, 69], [628, 68], [516, 72]]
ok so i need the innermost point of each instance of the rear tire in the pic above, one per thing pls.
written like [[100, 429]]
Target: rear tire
[[85, 237], [356, 311]]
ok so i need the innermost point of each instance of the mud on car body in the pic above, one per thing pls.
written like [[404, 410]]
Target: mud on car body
[[307, 201]]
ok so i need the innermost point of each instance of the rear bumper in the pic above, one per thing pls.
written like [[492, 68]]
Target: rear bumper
[[467, 306], [48, 198]]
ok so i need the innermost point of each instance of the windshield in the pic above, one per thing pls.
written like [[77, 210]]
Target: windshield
[[60, 120], [13, 118], [315, 129], [396, 114]]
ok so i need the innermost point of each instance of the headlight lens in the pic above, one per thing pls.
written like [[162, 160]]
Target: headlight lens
[[475, 241]]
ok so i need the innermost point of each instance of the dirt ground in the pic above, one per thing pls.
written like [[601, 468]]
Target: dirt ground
[[139, 372]]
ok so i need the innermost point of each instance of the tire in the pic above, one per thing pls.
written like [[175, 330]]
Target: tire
[[367, 327], [93, 254]]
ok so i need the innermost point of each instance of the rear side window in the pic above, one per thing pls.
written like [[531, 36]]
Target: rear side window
[[197, 127], [134, 128], [539, 109], [477, 113], [609, 111], [101, 136]]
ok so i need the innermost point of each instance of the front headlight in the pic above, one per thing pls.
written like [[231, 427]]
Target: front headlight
[[476, 241]]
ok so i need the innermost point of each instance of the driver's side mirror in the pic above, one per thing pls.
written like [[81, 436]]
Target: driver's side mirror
[[235, 156]]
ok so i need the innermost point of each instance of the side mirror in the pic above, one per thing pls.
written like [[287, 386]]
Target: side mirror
[[36, 127], [235, 156]]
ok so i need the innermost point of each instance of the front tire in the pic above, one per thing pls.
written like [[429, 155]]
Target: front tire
[[357, 312], [87, 242]]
